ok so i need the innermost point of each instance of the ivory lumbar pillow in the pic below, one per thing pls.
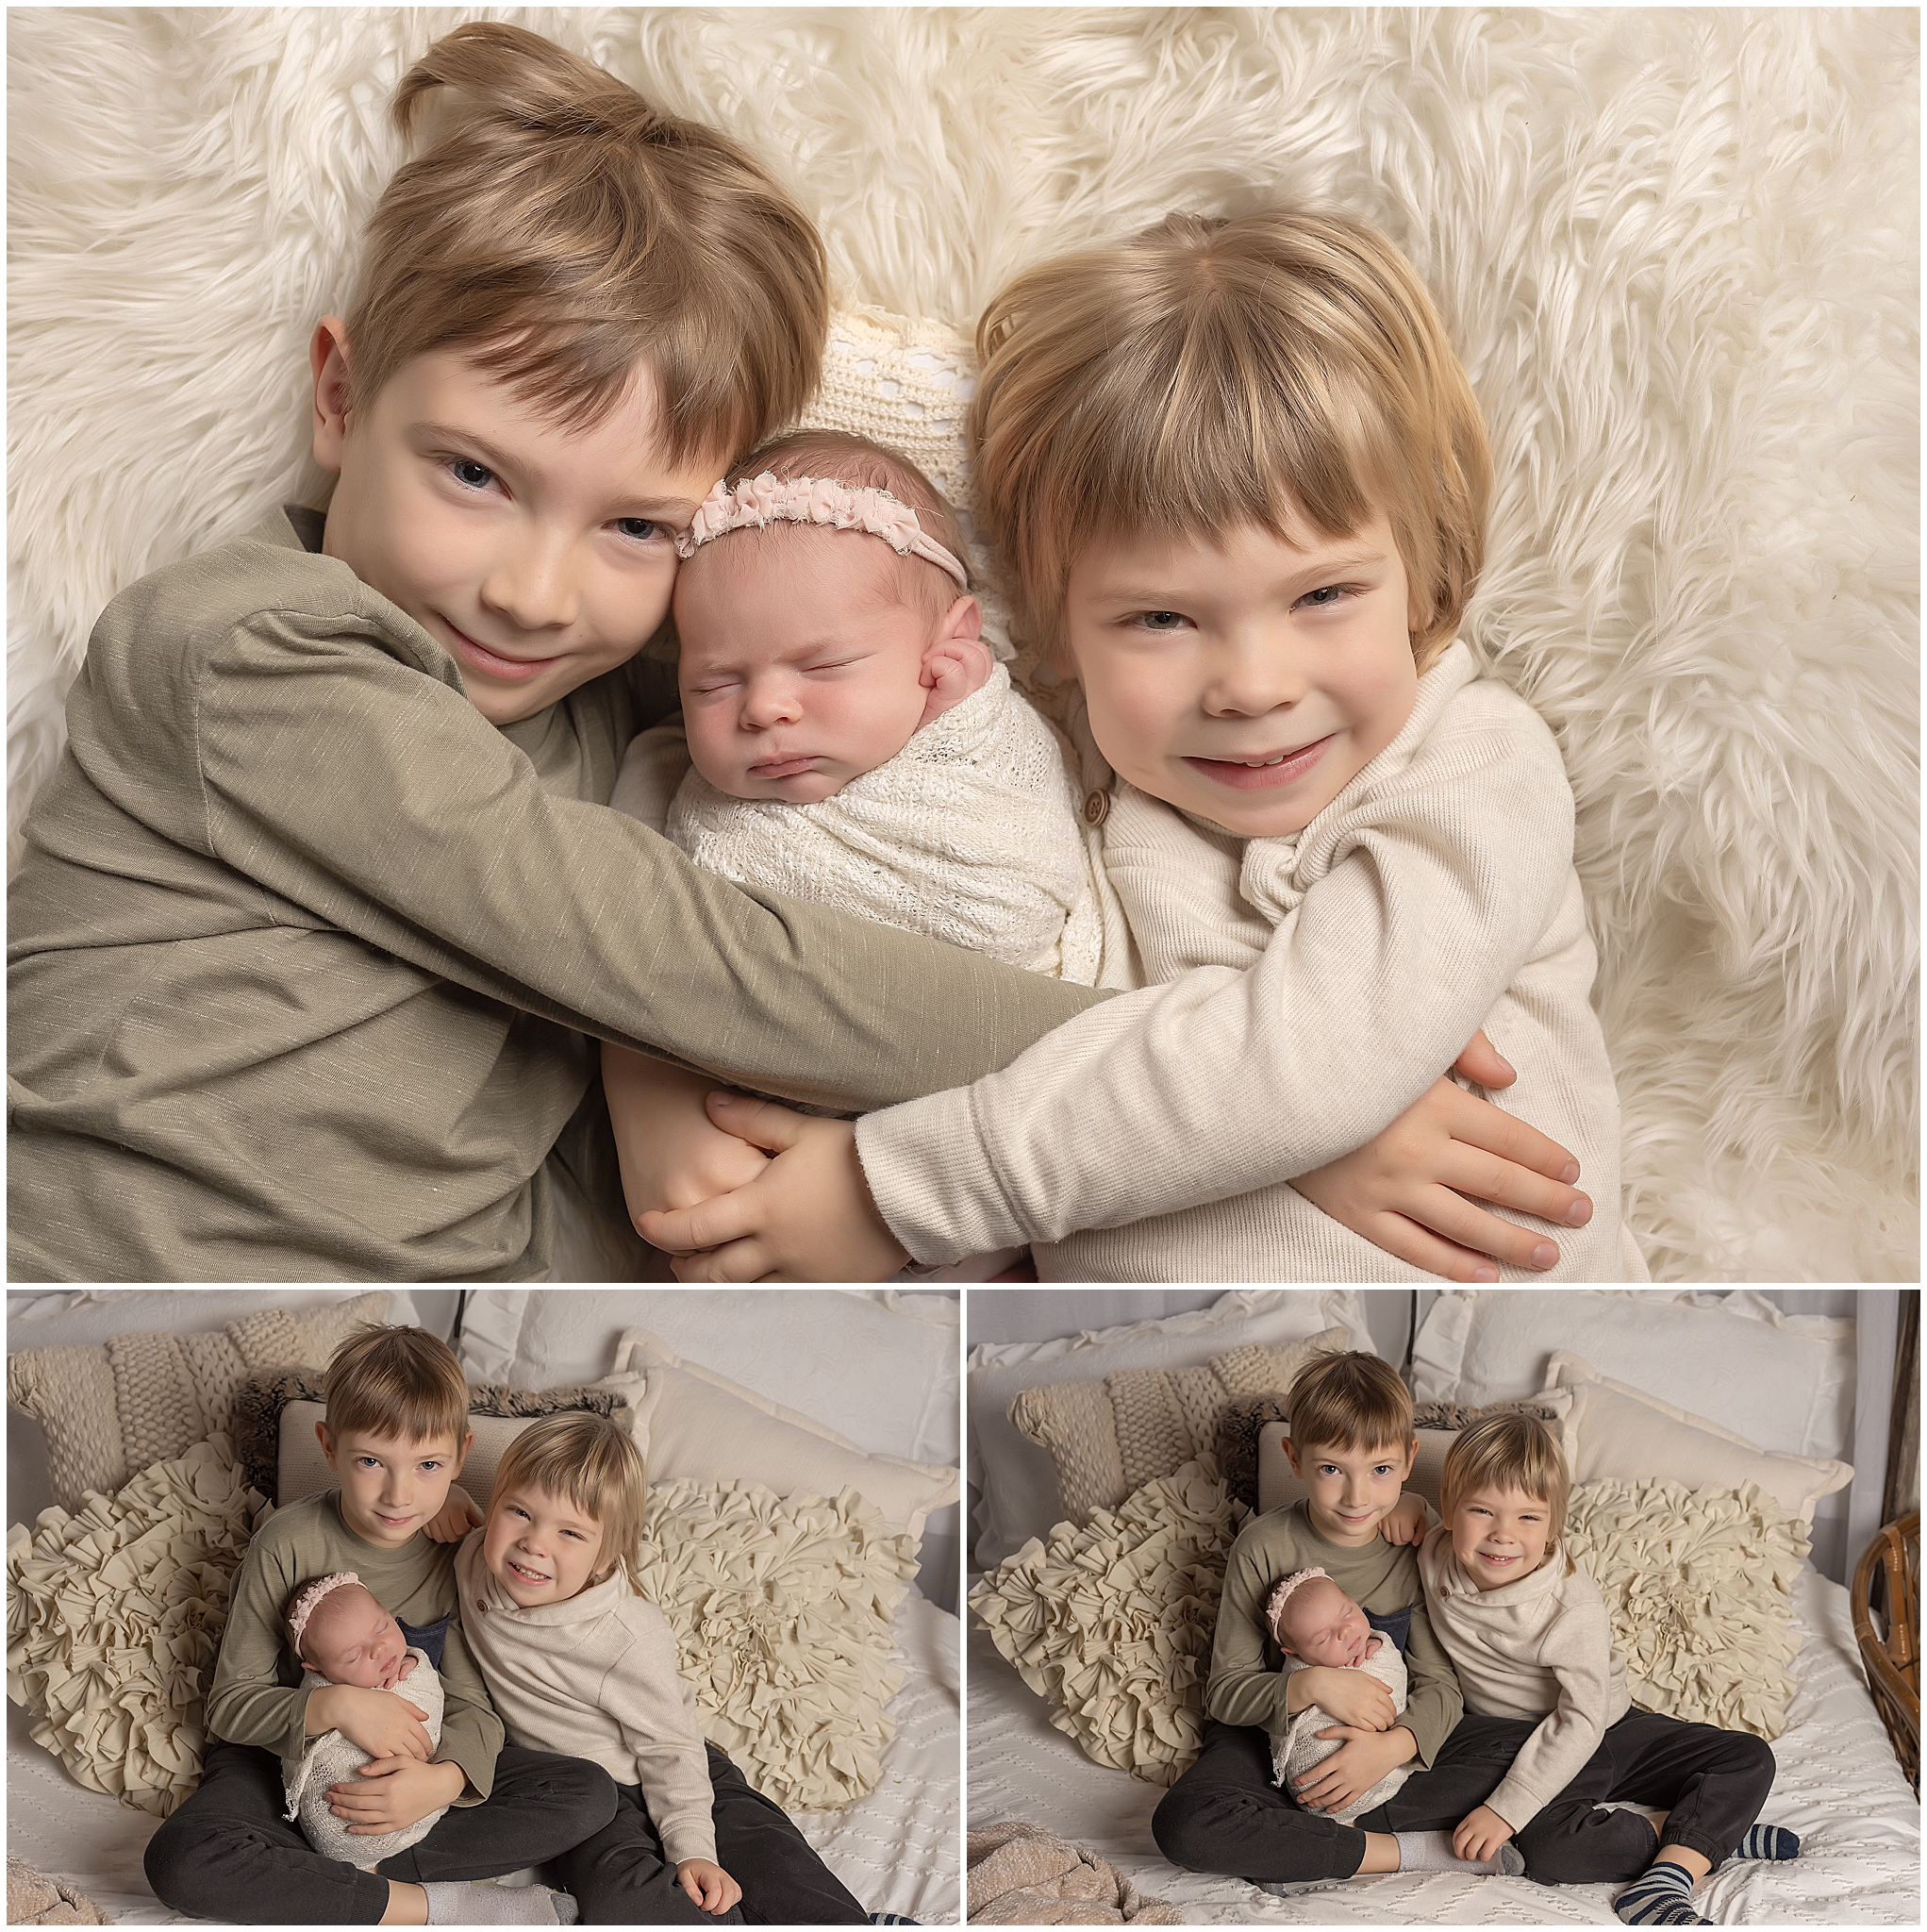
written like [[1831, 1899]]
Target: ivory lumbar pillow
[[1614, 1431], [1112, 1622], [1698, 1583], [1108, 1438]]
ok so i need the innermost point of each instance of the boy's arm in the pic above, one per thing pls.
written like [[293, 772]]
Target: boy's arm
[[654, 1707], [1433, 1702], [471, 1732], [671, 1153], [248, 1703], [1128, 1111], [1242, 1687], [1578, 1649], [380, 801]]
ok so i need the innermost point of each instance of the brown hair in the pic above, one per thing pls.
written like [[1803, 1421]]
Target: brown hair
[[858, 462], [597, 1466], [567, 231], [400, 1382], [1508, 1452], [1348, 1401], [1210, 373]]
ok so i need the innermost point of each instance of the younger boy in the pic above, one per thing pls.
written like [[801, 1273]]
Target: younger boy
[[397, 1433], [1351, 1445]]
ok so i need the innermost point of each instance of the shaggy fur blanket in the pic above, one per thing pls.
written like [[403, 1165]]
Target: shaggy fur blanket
[[1677, 250]]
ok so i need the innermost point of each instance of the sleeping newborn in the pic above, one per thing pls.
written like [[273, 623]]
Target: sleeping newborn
[[1313, 1621], [343, 1636]]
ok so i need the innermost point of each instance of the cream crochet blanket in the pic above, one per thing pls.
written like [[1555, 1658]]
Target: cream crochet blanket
[[331, 1759], [969, 834], [1298, 1747]]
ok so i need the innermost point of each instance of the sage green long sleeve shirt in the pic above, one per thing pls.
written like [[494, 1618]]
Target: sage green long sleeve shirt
[[1247, 1684], [304, 951], [256, 1698]]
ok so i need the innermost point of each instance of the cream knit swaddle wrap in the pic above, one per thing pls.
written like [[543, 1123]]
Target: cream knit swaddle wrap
[[969, 834], [1300, 1747], [331, 1759]]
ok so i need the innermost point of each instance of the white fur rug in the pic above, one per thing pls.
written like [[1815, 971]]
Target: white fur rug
[[1677, 251]]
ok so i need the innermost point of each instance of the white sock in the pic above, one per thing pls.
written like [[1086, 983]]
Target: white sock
[[1431, 1851], [474, 1904]]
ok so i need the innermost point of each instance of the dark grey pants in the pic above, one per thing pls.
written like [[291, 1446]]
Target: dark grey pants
[[1225, 1814], [228, 1853], [1712, 1783], [620, 1877]]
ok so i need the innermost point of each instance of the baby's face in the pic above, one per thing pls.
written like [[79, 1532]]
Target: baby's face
[[1323, 1626], [351, 1640], [801, 664]]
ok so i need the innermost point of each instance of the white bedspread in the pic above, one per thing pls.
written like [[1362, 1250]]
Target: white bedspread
[[897, 1850], [1838, 1787]]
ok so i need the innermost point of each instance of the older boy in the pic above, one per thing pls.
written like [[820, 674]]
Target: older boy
[[1351, 1445], [397, 1433]]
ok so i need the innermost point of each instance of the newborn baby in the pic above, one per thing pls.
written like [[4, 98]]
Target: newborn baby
[[854, 739], [1313, 1621], [337, 1630]]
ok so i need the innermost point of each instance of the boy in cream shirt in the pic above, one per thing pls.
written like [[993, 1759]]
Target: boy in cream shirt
[[1528, 1636]]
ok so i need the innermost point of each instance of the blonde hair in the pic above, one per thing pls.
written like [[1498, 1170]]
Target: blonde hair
[[597, 1466], [395, 1381], [860, 463], [1508, 1452], [1348, 1401], [566, 231], [1212, 374]]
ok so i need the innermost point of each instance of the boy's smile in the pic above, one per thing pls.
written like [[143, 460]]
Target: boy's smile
[[538, 556], [1248, 680], [1500, 1535], [540, 1548], [1353, 1489], [390, 1487]]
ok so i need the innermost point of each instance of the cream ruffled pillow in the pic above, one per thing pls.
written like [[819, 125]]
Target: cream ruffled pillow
[[1697, 1583], [114, 1617], [781, 1608], [1112, 1622]]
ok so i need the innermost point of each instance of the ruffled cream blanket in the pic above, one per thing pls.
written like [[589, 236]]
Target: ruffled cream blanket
[[970, 834], [1020, 1874], [114, 1619]]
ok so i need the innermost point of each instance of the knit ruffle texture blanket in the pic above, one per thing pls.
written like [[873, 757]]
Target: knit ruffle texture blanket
[[1677, 251]]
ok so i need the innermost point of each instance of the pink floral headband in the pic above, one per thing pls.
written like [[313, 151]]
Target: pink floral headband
[[307, 1601], [758, 501], [1274, 1604]]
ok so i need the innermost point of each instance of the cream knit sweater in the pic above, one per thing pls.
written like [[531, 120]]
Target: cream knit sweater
[[1541, 1647], [596, 1677], [1302, 994]]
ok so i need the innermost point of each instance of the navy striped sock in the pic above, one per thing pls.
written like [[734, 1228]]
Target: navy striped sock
[[1767, 1841], [1661, 1896]]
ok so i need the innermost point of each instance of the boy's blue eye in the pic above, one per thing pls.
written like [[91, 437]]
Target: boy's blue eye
[[641, 528], [1324, 596], [1161, 619], [476, 476]]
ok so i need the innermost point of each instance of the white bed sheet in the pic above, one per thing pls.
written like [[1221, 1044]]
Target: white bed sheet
[[1838, 1786], [897, 1849]]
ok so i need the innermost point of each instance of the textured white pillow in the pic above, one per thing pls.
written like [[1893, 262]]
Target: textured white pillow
[[1017, 1480], [1698, 1584], [781, 1608], [1783, 1381], [692, 1424], [1111, 1622], [879, 1364], [1616, 1432]]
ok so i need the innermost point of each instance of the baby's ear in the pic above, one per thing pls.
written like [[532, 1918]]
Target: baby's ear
[[956, 661]]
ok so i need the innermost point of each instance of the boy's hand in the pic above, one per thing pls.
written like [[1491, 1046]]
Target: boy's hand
[[712, 1888], [672, 1153], [1353, 1697], [1354, 1768], [1480, 1834], [397, 1791], [807, 1217], [1404, 1191], [1405, 1522], [457, 1516], [380, 1723]]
